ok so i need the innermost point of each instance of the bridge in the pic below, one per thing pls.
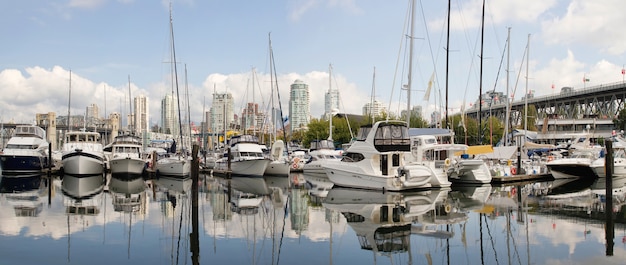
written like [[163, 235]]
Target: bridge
[[603, 102]]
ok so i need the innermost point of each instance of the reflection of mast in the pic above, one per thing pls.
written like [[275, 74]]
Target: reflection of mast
[[68, 238]]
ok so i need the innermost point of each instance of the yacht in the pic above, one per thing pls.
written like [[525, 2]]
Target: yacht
[[577, 164], [26, 151], [321, 152], [619, 162], [380, 159], [82, 153], [126, 155], [298, 159], [246, 157]]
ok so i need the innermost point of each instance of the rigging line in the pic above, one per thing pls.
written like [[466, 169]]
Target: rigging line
[[280, 106], [495, 84], [493, 244], [519, 73], [395, 72], [433, 57], [339, 100]]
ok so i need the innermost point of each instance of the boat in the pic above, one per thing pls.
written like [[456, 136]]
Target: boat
[[128, 193], [246, 157], [619, 162], [378, 160], [577, 164], [126, 155], [26, 151], [82, 153], [178, 164], [298, 159], [82, 187], [320, 153], [279, 165]]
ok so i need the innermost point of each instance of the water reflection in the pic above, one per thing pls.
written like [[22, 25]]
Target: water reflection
[[280, 220]]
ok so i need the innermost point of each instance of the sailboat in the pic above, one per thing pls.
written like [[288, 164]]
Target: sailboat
[[82, 152], [177, 164], [280, 164]]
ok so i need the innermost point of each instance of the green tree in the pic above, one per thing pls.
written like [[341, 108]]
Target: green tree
[[620, 121]]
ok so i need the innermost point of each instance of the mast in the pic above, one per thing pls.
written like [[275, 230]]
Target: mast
[[330, 115], [275, 79], [508, 59], [408, 89], [175, 70], [447, 64], [69, 104], [130, 109], [373, 95], [480, 93], [526, 96]]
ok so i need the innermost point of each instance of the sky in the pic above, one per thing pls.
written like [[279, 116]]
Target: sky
[[113, 46]]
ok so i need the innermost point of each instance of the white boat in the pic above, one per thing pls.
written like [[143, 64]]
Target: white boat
[[321, 152], [82, 153], [619, 162], [174, 165], [247, 157], [82, 187], [279, 166], [126, 155], [26, 151], [578, 164], [380, 159], [469, 171]]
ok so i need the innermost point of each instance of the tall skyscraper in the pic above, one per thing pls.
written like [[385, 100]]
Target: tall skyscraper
[[299, 108], [169, 115], [93, 117], [221, 112], [331, 102], [141, 117]]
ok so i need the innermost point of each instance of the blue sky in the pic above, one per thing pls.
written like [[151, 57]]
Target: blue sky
[[103, 42]]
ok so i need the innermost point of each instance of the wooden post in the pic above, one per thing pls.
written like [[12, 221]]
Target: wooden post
[[608, 209], [195, 242], [49, 174], [230, 157]]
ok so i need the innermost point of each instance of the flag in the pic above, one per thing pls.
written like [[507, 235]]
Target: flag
[[585, 79], [286, 121], [430, 85], [623, 71], [552, 86]]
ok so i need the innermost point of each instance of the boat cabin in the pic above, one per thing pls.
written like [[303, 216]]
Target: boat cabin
[[246, 138], [387, 136], [30, 131], [322, 144]]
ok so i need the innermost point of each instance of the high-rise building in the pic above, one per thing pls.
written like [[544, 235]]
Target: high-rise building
[[299, 108], [141, 118], [169, 115], [221, 112], [374, 108], [331, 102], [93, 117]]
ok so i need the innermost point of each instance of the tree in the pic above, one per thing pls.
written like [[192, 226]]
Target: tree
[[620, 121]]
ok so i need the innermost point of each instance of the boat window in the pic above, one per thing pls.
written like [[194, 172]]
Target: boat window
[[392, 137], [352, 157]]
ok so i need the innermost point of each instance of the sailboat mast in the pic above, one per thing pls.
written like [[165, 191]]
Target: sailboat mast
[[447, 64], [480, 86], [69, 104], [373, 95], [330, 115], [275, 79], [408, 89], [130, 109], [508, 59], [180, 124], [526, 96]]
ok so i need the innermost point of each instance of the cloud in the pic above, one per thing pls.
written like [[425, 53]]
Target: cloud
[[595, 23], [86, 4]]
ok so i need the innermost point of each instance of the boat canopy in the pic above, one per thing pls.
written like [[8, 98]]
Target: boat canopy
[[392, 136]]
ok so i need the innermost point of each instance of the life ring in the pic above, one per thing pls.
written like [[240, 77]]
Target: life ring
[[447, 208], [513, 171], [513, 191], [295, 166], [447, 162]]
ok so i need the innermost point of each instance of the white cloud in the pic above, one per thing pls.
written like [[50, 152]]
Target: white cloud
[[595, 23]]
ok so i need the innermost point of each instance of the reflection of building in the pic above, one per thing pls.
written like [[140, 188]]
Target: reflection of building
[[299, 206], [299, 109], [219, 204]]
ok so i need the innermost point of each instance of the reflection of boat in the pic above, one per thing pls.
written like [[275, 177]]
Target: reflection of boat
[[470, 197], [175, 185], [82, 187], [382, 221], [320, 184], [247, 194], [26, 151], [127, 192], [82, 153], [24, 193]]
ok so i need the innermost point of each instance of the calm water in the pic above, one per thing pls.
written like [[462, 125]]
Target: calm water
[[297, 220]]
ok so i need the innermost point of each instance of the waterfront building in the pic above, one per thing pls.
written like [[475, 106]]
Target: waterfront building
[[221, 112], [331, 102], [93, 116], [299, 106], [141, 119], [169, 116]]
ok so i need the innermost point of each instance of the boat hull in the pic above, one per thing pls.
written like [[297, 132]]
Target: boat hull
[[472, 171], [83, 163], [254, 167], [414, 177], [277, 168], [127, 165], [173, 167], [21, 164]]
